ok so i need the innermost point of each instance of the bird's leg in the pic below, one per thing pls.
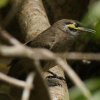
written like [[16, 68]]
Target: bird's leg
[[54, 79], [55, 76]]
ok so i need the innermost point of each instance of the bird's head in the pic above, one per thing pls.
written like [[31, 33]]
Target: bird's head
[[72, 27], [69, 32]]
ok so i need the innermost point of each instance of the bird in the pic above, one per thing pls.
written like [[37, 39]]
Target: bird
[[58, 38]]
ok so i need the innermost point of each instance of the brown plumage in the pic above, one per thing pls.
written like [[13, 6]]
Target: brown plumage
[[60, 37]]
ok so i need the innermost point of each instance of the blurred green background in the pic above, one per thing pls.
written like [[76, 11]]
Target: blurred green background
[[86, 11]]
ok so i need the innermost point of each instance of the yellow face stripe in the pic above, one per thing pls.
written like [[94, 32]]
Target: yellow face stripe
[[73, 26]]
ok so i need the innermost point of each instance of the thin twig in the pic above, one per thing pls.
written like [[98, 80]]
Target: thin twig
[[27, 90], [74, 77], [8, 37], [80, 56], [43, 53], [14, 81]]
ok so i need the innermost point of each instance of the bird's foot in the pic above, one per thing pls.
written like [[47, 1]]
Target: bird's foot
[[54, 79]]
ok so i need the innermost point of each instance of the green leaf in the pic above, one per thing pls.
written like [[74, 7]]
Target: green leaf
[[3, 3], [93, 85], [97, 28], [93, 15], [96, 96], [92, 18]]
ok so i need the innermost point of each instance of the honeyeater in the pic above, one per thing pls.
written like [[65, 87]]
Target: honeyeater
[[60, 37]]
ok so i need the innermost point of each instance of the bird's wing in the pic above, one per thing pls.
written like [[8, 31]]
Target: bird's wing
[[43, 40]]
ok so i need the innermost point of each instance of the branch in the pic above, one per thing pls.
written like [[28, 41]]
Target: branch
[[27, 90], [37, 54], [33, 21], [80, 56], [16, 82]]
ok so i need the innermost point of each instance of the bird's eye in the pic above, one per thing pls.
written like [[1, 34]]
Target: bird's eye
[[77, 25]]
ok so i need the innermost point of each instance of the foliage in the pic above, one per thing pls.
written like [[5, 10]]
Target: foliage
[[92, 18], [3, 3], [92, 84]]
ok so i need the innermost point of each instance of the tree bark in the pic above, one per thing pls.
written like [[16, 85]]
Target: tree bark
[[33, 20]]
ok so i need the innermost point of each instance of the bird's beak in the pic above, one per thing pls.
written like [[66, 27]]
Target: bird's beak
[[86, 30], [81, 28]]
